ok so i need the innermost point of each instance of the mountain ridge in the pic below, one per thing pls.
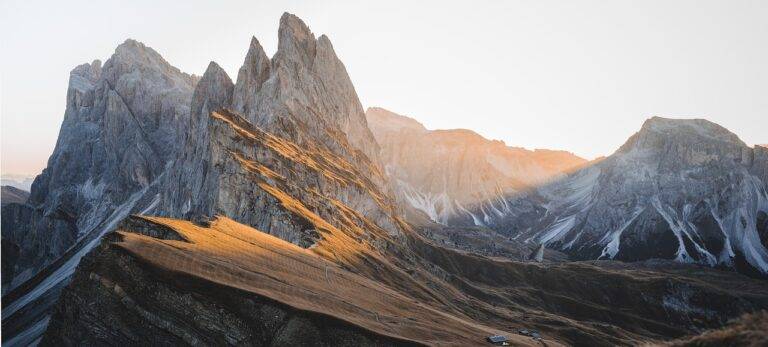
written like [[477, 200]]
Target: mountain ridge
[[685, 182], [439, 172]]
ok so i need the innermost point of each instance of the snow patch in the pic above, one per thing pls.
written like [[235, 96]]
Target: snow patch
[[612, 248], [557, 230]]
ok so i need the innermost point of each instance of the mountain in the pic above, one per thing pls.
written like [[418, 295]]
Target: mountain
[[13, 195], [223, 283], [294, 162], [23, 182], [121, 128], [303, 96], [439, 172], [687, 190], [121, 131], [273, 222], [317, 146]]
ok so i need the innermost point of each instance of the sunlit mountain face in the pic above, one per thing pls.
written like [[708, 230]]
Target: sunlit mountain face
[[272, 209], [442, 172]]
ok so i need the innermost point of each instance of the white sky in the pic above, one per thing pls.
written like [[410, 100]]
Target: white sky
[[574, 75]]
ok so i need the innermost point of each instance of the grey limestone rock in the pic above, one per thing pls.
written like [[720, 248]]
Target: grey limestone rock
[[122, 127], [687, 190]]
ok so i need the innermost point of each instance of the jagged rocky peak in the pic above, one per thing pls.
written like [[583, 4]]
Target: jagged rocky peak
[[303, 90], [132, 51], [123, 125], [83, 77], [296, 43], [214, 91], [306, 85], [252, 75], [302, 100], [190, 184]]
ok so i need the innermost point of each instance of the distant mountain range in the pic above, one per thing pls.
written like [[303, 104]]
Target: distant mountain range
[[439, 172], [687, 190], [23, 182]]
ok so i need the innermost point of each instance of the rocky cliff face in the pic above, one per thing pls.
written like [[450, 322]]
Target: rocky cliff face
[[440, 172], [122, 127], [11, 194], [687, 190], [304, 89], [297, 115]]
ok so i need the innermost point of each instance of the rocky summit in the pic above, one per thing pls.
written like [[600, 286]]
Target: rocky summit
[[271, 210], [121, 130], [684, 190]]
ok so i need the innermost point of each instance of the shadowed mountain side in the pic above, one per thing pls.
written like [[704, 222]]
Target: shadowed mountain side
[[750, 330], [11, 194], [122, 125], [681, 189], [600, 302], [480, 240]]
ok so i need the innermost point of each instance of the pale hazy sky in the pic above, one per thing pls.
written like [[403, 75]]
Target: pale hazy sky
[[574, 75]]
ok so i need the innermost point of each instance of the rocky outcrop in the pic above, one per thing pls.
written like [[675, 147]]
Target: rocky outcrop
[[293, 115], [252, 75], [749, 330], [304, 89], [13, 195], [687, 190], [10, 250], [440, 172], [194, 177], [122, 127]]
